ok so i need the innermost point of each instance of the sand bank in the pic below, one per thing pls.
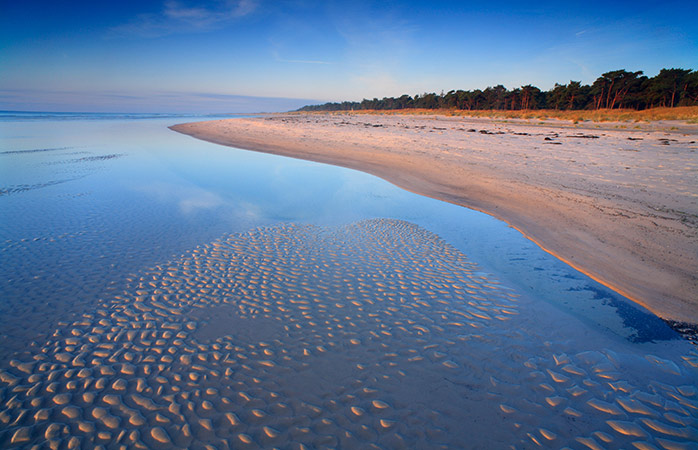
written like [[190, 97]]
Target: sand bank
[[621, 205]]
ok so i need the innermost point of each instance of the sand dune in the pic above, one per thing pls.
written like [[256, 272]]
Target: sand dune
[[618, 204]]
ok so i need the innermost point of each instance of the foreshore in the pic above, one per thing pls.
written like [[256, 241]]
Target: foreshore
[[618, 202]]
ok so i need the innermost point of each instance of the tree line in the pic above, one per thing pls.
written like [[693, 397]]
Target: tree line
[[612, 90]]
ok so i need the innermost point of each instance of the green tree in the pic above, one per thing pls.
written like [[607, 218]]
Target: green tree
[[690, 94], [615, 89], [557, 96], [611, 88], [666, 88], [530, 97], [512, 99], [494, 97]]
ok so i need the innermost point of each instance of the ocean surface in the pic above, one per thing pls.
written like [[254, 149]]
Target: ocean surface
[[157, 291]]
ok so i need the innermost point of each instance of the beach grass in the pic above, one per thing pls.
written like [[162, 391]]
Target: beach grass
[[688, 114]]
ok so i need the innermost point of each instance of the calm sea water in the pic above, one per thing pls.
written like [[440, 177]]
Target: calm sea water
[[100, 213]]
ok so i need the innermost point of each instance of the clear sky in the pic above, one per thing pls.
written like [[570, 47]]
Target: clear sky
[[220, 56]]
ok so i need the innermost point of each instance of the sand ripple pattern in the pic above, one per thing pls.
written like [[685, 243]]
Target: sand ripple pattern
[[373, 335]]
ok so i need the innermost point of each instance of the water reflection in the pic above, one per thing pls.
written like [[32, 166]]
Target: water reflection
[[175, 192], [202, 294]]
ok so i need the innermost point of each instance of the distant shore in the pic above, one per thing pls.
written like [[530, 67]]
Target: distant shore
[[617, 201]]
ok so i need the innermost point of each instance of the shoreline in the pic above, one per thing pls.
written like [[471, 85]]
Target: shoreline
[[619, 205]]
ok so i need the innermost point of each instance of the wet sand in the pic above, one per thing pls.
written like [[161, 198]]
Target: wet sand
[[377, 334], [619, 202]]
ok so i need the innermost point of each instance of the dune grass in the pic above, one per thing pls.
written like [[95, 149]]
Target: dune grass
[[688, 114]]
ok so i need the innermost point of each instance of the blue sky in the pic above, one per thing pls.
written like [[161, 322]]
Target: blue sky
[[224, 56]]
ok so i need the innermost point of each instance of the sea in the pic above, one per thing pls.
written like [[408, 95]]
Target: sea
[[158, 291]]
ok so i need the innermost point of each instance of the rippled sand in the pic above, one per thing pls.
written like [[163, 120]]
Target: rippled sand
[[376, 334]]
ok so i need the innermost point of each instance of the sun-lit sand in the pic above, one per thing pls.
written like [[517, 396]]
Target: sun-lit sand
[[376, 334], [617, 201]]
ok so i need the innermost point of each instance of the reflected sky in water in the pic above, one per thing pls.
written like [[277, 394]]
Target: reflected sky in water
[[272, 301], [126, 194]]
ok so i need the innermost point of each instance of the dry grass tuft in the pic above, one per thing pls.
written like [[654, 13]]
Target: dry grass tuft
[[685, 113]]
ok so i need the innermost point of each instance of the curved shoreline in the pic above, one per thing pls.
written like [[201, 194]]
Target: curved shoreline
[[579, 197]]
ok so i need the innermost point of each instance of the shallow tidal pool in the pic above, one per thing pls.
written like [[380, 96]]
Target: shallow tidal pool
[[158, 292]]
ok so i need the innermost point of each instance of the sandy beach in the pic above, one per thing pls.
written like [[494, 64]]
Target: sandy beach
[[618, 202]]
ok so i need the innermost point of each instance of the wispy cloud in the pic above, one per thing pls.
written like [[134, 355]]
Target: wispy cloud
[[298, 61], [191, 200], [301, 61], [178, 17]]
